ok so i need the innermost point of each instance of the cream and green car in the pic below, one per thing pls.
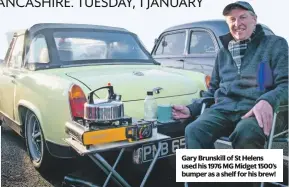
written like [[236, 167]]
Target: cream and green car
[[50, 68]]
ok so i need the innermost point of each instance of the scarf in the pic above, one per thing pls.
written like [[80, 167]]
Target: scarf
[[238, 49]]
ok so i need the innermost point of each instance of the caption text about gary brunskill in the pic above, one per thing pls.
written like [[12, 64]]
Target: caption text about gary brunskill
[[239, 165], [134, 4]]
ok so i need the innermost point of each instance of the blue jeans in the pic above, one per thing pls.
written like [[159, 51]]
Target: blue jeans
[[213, 124]]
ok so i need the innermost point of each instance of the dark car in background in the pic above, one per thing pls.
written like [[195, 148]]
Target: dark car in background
[[193, 46]]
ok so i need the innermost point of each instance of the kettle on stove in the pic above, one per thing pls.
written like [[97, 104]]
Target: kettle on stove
[[104, 110]]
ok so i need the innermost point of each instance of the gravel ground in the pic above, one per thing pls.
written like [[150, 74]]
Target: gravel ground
[[15, 163], [17, 171]]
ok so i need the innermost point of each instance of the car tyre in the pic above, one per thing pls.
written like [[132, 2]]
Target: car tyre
[[39, 155]]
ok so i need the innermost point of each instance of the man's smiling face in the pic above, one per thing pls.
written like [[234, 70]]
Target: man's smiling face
[[241, 23]]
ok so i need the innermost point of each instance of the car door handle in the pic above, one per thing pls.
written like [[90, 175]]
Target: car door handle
[[181, 60], [13, 76], [10, 75]]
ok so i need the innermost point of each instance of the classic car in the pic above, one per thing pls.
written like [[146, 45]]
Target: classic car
[[192, 46], [49, 69]]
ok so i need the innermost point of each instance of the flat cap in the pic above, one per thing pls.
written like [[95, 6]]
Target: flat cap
[[240, 4]]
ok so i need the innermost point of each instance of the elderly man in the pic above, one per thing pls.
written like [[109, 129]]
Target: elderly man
[[244, 98]]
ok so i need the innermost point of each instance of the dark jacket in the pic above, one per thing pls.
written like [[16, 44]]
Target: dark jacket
[[265, 65]]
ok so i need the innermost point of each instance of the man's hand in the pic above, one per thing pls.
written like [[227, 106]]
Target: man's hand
[[180, 112], [264, 114]]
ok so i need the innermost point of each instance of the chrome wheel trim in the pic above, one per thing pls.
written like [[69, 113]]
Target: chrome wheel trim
[[34, 138]]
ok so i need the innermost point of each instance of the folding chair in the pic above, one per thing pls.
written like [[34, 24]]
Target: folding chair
[[208, 101]]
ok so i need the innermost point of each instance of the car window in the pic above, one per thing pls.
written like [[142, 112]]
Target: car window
[[15, 59], [82, 45], [79, 49], [201, 43], [172, 44], [38, 51]]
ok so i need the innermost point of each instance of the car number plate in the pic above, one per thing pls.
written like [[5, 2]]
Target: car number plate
[[147, 152]]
